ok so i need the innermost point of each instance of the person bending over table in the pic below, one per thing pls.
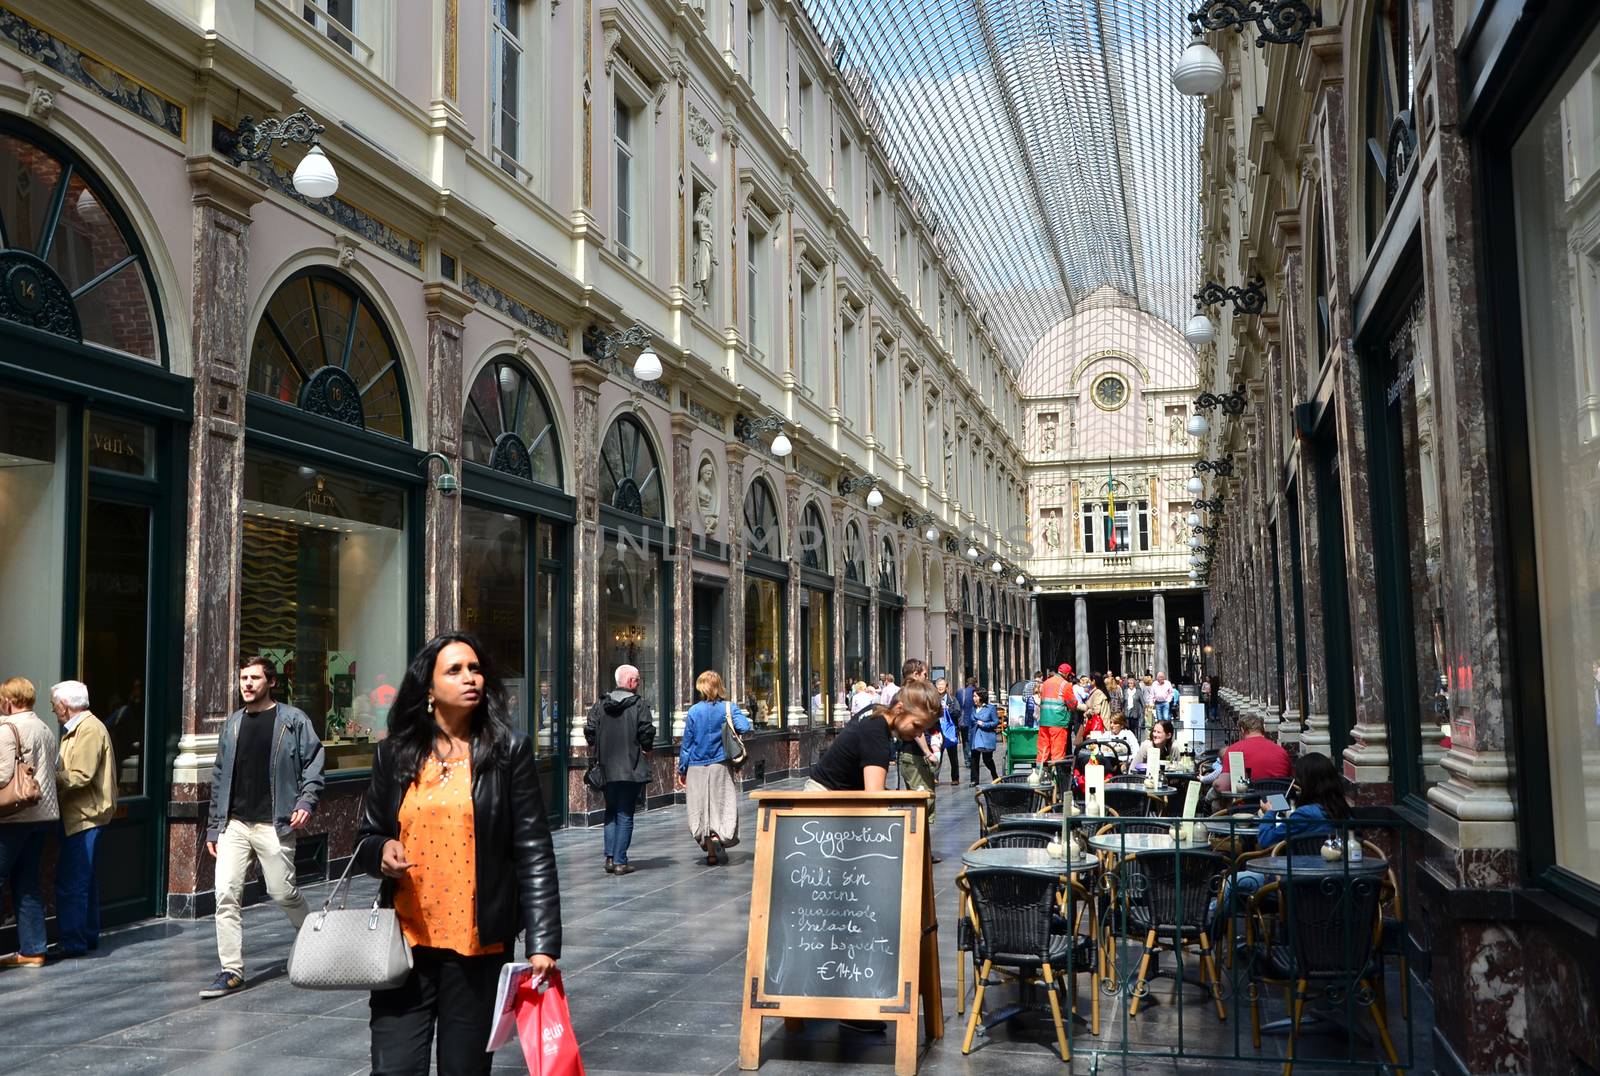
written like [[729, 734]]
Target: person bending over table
[[860, 756]]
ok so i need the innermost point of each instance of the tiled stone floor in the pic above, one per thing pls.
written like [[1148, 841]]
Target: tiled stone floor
[[652, 963]]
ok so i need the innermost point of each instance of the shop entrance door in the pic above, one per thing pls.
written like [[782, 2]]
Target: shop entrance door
[[117, 614]]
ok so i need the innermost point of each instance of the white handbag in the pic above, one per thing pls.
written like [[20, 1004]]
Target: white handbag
[[350, 948]]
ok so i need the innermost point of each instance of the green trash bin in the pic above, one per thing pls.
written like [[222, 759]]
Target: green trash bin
[[1022, 747]]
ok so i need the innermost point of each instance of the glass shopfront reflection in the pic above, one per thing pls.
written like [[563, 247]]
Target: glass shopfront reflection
[[816, 653], [34, 483], [630, 621], [494, 596], [763, 652], [857, 634], [324, 594]]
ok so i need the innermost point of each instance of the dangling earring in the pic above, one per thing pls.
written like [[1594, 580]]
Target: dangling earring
[[430, 705]]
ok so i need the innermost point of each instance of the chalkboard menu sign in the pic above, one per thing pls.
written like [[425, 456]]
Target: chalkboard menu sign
[[841, 916], [834, 925]]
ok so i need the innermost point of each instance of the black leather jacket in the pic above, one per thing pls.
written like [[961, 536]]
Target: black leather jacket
[[516, 862]]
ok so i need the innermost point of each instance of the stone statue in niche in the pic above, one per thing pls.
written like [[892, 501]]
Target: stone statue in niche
[[700, 265], [706, 494], [1051, 532], [1177, 430], [1175, 526], [1047, 432]]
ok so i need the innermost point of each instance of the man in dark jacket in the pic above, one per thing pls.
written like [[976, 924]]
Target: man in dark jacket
[[620, 732]]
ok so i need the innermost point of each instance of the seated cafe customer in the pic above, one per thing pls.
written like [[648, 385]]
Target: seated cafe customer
[[1263, 758]]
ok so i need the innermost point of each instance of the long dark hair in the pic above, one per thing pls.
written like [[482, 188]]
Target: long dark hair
[[1318, 781], [1169, 746], [413, 730]]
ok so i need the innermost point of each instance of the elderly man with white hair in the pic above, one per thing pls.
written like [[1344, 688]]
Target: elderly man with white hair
[[620, 732], [86, 783]]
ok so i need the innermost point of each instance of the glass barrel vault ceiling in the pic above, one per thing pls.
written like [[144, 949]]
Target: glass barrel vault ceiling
[[1041, 139]]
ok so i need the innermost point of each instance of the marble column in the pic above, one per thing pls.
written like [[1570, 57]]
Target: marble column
[[587, 377], [733, 512], [221, 197], [1034, 646], [1158, 612], [798, 711], [840, 706], [1315, 736], [1080, 633], [869, 560], [682, 560], [447, 307]]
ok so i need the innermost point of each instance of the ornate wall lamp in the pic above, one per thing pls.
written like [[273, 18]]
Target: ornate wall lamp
[[1200, 71], [446, 482], [910, 521], [750, 431], [1201, 528], [252, 141], [1232, 403], [850, 485], [606, 346], [1204, 505]]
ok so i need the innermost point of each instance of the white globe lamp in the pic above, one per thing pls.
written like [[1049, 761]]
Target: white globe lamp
[[1021, 579], [972, 552], [1196, 486], [874, 498], [931, 533], [1199, 330], [1194, 519], [1199, 71], [315, 177], [647, 367], [1194, 541], [781, 446], [1193, 574], [997, 567], [1199, 425]]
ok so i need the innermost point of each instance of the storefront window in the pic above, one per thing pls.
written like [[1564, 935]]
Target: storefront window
[[763, 651], [33, 536], [1556, 167], [324, 594], [494, 597], [857, 632], [630, 620], [816, 629], [507, 425]]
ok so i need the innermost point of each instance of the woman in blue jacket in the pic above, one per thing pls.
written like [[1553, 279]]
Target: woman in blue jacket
[[985, 722], [711, 793], [949, 731]]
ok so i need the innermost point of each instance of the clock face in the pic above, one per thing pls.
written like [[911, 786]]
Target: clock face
[[1110, 393]]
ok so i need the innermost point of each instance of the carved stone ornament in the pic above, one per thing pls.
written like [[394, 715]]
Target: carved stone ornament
[[609, 42], [332, 393], [347, 250], [510, 456], [701, 132], [32, 294], [41, 102]]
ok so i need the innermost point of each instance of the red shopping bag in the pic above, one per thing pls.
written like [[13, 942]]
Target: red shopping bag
[[544, 1027]]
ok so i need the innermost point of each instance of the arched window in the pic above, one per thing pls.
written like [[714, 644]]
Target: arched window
[[966, 597], [321, 346], [1391, 138], [854, 570], [630, 476], [888, 573], [71, 262], [813, 539], [507, 426], [762, 530]]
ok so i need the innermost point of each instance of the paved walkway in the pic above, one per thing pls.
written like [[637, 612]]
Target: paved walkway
[[652, 962]]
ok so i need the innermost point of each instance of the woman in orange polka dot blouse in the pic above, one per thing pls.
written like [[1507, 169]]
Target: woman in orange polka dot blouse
[[454, 823]]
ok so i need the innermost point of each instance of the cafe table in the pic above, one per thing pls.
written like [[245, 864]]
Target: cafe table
[[1317, 867], [1128, 843], [1238, 794], [1033, 820], [1027, 860]]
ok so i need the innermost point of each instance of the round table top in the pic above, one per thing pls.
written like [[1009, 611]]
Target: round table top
[[1142, 842], [1031, 820], [1316, 866], [1159, 791], [1240, 825], [1231, 794], [1033, 860]]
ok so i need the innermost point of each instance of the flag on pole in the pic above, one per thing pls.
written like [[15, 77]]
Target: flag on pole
[[1111, 510]]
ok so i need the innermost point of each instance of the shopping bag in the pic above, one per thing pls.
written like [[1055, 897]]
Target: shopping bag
[[544, 1027]]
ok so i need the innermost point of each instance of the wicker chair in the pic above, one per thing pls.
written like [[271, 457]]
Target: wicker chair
[[1131, 801], [1013, 838], [1167, 897], [997, 800], [1326, 935], [1017, 924]]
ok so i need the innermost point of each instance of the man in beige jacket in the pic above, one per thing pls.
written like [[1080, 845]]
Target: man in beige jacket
[[23, 832], [86, 783]]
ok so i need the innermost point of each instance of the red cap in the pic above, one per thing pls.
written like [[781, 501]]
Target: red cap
[[1064, 669]]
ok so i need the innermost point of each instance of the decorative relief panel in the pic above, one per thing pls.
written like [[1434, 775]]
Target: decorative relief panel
[[520, 313], [342, 213]]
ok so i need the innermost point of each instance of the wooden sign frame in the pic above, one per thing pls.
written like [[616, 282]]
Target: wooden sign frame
[[919, 978]]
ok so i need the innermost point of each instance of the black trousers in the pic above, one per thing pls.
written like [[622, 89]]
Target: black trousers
[[987, 758], [446, 989], [952, 751]]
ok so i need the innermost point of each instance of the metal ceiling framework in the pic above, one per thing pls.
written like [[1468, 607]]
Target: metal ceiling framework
[[1041, 142]]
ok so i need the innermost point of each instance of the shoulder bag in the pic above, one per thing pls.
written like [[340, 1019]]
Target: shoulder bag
[[732, 746], [350, 948], [22, 791]]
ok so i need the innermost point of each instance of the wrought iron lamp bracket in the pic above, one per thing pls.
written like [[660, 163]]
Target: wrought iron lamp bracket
[[604, 346], [1222, 468], [1205, 505], [1232, 403], [749, 430], [911, 521], [1249, 300], [253, 141], [1281, 22], [849, 485]]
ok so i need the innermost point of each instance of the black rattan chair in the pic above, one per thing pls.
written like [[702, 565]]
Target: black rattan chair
[[1018, 925], [1325, 936], [1131, 801], [1167, 897], [998, 800]]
